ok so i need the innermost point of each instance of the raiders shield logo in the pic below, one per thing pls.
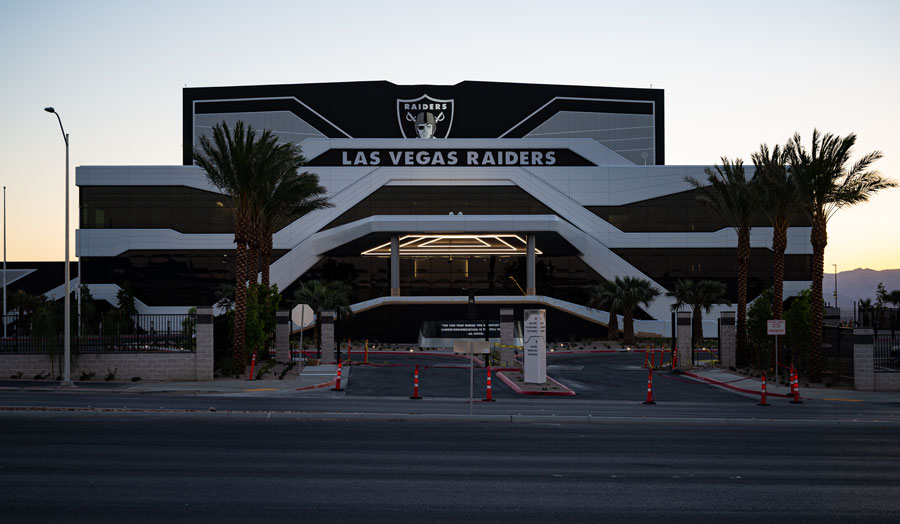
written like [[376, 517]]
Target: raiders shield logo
[[425, 117]]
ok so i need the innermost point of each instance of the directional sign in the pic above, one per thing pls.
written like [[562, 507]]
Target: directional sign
[[775, 327]]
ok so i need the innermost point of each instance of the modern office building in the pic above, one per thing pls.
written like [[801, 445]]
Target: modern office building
[[449, 202]]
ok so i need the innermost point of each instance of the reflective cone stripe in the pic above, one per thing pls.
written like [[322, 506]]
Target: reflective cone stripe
[[489, 396], [650, 388], [762, 401], [416, 385], [337, 387], [795, 387]]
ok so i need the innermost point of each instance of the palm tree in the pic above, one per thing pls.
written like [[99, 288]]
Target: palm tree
[[826, 182], [865, 307], [700, 296], [780, 202], [228, 159], [282, 194], [736, 199], [635, 291], [324, 296], [608, 296]]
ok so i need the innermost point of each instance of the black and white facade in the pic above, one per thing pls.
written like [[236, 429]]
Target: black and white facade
[[517, 194]]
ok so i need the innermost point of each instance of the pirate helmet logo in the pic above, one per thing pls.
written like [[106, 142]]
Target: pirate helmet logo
[[425, 117]]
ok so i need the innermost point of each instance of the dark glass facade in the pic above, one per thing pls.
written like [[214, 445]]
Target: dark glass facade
[[667, 266], [442, 200], [166, 278], [680, 212], [183, 209], [564, 277]]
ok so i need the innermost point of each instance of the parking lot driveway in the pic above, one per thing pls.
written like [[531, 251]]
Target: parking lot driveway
[[439, 376], [621, 376]]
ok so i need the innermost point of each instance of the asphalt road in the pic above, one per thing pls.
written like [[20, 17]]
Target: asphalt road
[[184, 469]]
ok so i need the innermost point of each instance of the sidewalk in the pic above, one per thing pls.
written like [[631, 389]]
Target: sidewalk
[[751, 385], [310, 378]]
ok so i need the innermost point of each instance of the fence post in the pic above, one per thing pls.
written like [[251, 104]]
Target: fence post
[[863, 359], [203, 356], [282, 335], [727, 339], [683, 334]]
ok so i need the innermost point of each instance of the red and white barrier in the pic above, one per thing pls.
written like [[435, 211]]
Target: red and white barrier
[[795, 386], [337, 386], [415, 395], [649, 388], [762, 400], [489, 396]]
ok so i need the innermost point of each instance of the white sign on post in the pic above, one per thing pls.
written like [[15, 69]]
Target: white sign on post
[[535, 346], [775, 327]]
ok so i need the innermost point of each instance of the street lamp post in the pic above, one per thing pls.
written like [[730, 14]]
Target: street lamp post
[[4, 261], [835, 285], [67, 342]]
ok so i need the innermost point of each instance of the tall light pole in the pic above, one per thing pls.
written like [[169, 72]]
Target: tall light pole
[[67, 342], [835, 285], [4, 261]]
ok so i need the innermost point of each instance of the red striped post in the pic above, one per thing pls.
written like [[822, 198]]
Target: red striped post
[[650, 388], [337, 386], [252, 365], [795, 386], [416, 385], [489, 396], [762, 401]]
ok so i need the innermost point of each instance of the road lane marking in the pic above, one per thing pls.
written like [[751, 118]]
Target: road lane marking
[[843, 399], [262, 389]]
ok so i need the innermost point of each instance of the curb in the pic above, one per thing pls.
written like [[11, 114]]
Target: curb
[[733, 388], [436, 417], [332, 382], [513, 386]]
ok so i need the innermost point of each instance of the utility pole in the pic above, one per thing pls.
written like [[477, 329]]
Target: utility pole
[[835, 285]]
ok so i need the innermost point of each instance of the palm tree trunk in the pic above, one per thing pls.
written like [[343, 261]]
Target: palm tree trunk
[[265, 257], [253, 256], [628, 327], [779, 244], [819, 239], [697, 327], [613, 326], [240, 297], [743, 254]]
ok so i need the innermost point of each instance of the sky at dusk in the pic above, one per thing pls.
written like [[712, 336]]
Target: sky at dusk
[[735, 74]]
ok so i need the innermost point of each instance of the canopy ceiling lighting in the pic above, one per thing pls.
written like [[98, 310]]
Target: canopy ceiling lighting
[[423, 245]]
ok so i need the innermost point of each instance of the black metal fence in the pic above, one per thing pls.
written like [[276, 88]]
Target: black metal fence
[[42, 332], [886, 357], [883, 317], [837, 353]]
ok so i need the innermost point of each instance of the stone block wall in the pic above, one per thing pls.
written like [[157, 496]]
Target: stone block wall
[[329, 350], [282, 336], [683, 335], [193, 365], [727, 339], [864, 376]]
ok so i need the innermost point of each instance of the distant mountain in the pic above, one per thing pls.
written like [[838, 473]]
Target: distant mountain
[[858, 284]]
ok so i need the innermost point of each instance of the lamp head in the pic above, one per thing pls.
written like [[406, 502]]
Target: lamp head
[[49, 110]]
